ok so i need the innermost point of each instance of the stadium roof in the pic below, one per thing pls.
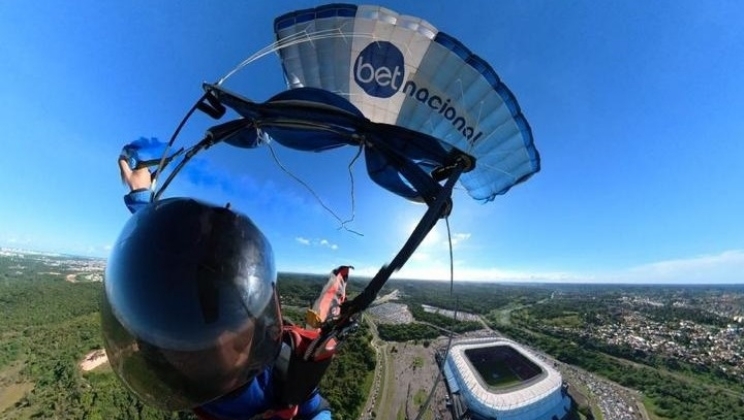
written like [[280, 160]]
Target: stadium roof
[[513, 398], [451, 381]]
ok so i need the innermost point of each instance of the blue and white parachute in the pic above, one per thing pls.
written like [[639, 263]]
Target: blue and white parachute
[[400, 70], [425, 110]]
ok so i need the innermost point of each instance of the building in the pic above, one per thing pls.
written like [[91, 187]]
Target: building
[[496, 378]]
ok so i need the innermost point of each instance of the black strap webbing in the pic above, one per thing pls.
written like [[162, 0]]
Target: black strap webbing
[[438, 208]]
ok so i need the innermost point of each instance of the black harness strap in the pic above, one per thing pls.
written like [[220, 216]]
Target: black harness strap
[[440, 206]]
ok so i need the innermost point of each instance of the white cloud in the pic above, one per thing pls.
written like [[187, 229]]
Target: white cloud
[[433, 263], [325, 243], [420, 256], [459, 238], [441, 271], [15, 240], [303, 241], [432, 239], [724, 267], [437, 238], [319, 242]]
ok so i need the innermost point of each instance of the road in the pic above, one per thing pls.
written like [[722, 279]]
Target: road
[[375, 399]]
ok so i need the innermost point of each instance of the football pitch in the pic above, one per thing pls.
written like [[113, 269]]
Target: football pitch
[[496, 374], [501, 367]]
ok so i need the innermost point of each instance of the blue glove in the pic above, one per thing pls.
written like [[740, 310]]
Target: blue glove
[[143, 152]]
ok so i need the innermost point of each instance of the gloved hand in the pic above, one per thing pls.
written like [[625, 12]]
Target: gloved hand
[[135, 161], [143, 153]]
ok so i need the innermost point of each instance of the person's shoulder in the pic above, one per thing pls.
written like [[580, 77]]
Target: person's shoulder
[[323, 415], [315, 408], [251, 399]]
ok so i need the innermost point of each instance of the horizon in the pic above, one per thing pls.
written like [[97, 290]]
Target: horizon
[[366, 278]]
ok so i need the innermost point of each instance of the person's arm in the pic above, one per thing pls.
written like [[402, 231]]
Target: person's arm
[[139, 181], [135, 179]]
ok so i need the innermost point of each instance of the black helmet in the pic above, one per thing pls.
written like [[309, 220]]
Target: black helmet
[[190, 309]]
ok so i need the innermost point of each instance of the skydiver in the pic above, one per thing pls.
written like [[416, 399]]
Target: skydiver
[[191, 317]]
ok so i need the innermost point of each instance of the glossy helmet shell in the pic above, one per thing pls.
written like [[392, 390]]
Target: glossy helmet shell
[[190, 309]]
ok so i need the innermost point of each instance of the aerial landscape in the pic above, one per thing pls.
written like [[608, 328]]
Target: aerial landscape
[[622, 351], [404, 210]]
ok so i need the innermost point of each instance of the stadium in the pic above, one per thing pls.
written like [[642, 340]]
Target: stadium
[[496, 378]]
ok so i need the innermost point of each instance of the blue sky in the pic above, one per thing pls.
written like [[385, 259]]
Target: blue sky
[[636, 109]]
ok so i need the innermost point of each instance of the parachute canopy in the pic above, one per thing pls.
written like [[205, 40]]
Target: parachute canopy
[[417, 100], [401, 71], [425, 110]]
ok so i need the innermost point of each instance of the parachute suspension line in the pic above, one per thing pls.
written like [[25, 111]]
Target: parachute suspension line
[[295, 39], [440, 372], [451, 257], [172, 140], [203, 144], [258, 54], [471, 146], [353, 195], [213, 135], [462, 100], [439, 207], [307, 187]]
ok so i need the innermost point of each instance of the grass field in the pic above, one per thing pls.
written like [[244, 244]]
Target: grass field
[[496, 374], [501, 366], [12, 387]]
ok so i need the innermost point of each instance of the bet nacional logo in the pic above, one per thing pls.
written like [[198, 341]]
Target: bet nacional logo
[[379, 69]]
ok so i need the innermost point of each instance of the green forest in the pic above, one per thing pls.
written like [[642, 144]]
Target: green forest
[[48, 325], [672, 389]]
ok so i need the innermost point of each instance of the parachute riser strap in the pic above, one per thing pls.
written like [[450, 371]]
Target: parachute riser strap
[[213, 136], [208, 104], [203, 144], [175, 134], [441, 207]]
